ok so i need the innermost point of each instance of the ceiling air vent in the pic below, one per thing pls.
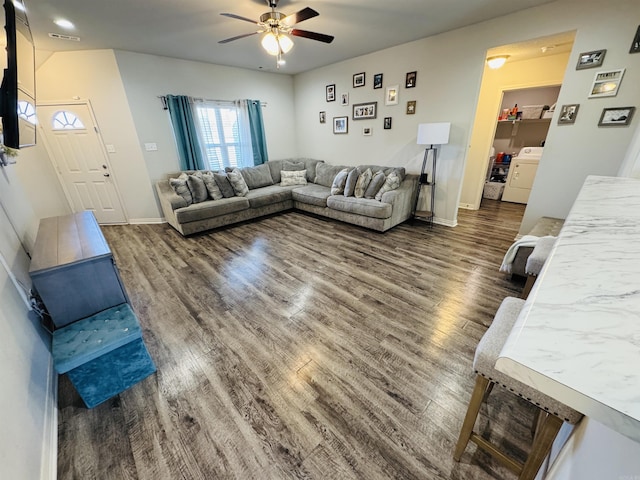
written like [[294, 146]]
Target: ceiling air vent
[[60, 36]]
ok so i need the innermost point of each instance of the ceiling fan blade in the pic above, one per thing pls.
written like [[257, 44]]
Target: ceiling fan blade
[[238, 17], [321, 37], [301, 16], [227, 40]]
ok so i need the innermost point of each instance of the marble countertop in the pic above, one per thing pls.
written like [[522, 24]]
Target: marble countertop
[[578, 336]]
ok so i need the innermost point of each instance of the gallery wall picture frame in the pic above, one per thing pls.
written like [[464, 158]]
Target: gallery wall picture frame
[[606, 83], [410, 81], [367, 131], [377, 81], [616, 116], [590, 59], [362, 111], [411, 107], [358, 80], [340, 125], [391, 98], [568, 114], [322, 117], [330, 91], [344, 99], [387, 123], [635, 45]]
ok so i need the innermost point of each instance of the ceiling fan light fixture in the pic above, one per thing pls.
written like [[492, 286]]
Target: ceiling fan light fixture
[[276, 44], [497, 61]]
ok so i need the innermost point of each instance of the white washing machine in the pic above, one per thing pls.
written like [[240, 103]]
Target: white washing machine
[[522, 172]]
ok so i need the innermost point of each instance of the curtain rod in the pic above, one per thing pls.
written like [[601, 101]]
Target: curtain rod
[[163, 99]]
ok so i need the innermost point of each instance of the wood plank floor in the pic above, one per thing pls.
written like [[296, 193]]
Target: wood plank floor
[[299, 347]]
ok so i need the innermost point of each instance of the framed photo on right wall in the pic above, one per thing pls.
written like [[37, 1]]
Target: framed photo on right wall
[[616, 116]]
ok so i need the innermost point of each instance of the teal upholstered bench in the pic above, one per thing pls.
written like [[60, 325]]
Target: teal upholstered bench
[[103, 355]]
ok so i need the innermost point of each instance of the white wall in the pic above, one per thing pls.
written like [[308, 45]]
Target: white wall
[[93, 75], [146, 77], [450, 68]]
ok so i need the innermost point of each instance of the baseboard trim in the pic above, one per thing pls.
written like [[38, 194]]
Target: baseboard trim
[[467, 206], [445, 222], [49, 460], [144, 221]]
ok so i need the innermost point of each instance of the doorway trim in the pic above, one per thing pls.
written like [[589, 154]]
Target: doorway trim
[[98, 133]]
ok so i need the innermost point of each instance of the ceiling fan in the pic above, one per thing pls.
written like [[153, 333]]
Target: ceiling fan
[[277, 27]]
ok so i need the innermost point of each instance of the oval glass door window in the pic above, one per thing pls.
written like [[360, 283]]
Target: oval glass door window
[[65, 120]]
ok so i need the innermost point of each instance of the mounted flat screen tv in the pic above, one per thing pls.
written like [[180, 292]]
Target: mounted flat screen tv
[[18, 89]]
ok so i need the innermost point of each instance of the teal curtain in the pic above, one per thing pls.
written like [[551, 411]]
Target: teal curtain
[[256, 127], [185, 131]]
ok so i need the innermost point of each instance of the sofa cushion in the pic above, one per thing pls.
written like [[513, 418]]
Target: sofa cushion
[[210, 209], [312, 194], [198, 189], [311, 165], [181, 188], [292, 166], [340, 180], [326, 173], [268, 195], [237, 182], [376, 184], [256, 177], [364, 179], [350, 185], [293, 177], [224, 185], [212, 186], [360, 206], [275, 167], [391, 183]]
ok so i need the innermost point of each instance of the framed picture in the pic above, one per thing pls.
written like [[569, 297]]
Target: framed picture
[[590, 59], [411, 107], [392, 95], [635, 45], [340, 125], [568, 114], [344, 99], [331, 93], [387, 123], [606, 84], [366, 131], [411, 80], [358, 80], [617, 116], [362, 111], [323, 117], [377, 80]]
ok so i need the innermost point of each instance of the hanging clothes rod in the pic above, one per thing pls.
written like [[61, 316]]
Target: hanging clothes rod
[[163, 99]]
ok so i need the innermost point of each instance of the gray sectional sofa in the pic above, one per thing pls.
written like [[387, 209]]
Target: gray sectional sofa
[[267, 196]]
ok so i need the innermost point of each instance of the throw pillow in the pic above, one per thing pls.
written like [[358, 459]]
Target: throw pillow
[[224, 185], [350, 184], [198, 189], [376, 184], [293, 177], [292, 166], [181, 188], [337, 187], [212, 186], [391, 183], [256, 177], [238, 183], [364, 179]]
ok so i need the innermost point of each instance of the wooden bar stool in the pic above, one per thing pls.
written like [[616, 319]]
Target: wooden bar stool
[[554, 412]]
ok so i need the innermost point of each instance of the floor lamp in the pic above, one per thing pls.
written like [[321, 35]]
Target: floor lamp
[[430, 134]]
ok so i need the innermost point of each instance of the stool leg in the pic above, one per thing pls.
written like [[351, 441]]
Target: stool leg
[[470, 418], [531, 279], [541, 445]]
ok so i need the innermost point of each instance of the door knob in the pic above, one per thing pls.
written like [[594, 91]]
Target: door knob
[[104, 166], [105, 175]]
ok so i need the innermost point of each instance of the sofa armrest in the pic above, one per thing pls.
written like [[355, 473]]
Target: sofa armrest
[[168, 196], [407, 187]]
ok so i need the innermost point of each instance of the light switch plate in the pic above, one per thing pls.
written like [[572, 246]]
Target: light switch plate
[[111, 148], [150, 147]]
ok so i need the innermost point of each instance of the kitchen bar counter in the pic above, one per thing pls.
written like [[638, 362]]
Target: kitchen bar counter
[[578, 336]]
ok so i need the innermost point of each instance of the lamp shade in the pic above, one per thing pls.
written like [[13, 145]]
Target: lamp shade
[[433, 133], [274, 44], [497, 62]]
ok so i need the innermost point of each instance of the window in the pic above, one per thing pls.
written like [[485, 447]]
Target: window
[[65, 120], [224, 134], [27, 111]]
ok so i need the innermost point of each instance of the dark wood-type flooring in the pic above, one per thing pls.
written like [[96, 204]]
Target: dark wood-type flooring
[[299, 347]]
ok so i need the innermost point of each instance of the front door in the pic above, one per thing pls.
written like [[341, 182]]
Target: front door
[[72, 140]]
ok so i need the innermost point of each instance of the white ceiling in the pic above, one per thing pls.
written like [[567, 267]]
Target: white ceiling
[[191, 29]]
